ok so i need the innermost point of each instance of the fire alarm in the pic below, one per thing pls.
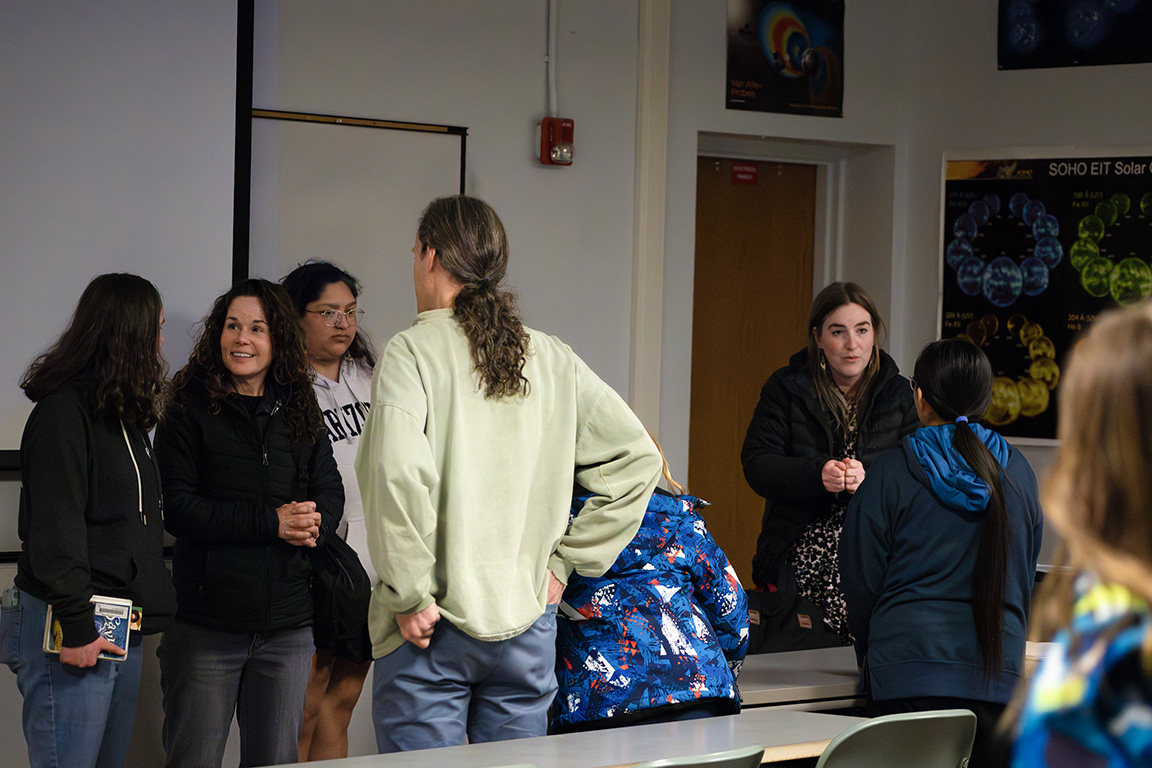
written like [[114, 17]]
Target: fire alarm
[[555, 145]]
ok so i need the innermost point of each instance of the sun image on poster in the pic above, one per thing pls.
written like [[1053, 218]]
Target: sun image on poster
[[1067, 33], [1033, 250], [786, 57]]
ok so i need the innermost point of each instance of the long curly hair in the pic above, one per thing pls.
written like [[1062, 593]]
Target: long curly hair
[[289, 371], [112, 339], [471, 244], [304, 286]]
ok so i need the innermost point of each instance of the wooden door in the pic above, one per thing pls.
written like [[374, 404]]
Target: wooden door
[[753, 289]]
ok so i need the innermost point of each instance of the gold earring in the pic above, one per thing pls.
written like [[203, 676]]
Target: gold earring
[[823, 362]]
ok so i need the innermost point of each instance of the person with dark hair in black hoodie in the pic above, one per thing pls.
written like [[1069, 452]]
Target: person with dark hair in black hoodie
[[90, 524]]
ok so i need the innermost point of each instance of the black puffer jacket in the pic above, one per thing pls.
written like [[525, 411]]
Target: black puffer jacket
[[791, 438], [224, 476]]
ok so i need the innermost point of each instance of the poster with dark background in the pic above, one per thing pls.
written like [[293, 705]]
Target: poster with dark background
[[1033, 250], [786, 57], [1066, 33]]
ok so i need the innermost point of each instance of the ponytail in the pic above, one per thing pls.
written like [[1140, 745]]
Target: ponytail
[[496, 338], [471, 245], [991, 557], [955, 379]]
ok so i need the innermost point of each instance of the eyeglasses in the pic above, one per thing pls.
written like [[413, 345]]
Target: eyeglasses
[[332, 317], [913, 383]]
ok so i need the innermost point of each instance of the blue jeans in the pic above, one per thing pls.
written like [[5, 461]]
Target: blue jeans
[[462, 688], [72, 716], [207, 676]]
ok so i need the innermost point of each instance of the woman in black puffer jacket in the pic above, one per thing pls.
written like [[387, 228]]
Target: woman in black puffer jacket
[[820, 422], [248, 488]]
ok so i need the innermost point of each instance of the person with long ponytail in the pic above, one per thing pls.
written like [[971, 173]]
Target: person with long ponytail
[[938, 554], [477, 430]]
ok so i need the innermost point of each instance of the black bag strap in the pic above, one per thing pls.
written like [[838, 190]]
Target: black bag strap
[[301, 455]]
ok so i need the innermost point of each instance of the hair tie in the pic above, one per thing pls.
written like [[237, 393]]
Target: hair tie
[[961, 419]]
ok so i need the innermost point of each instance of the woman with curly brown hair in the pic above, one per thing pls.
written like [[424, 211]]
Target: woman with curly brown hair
[[90, 524], [250, 482], [477, 430]]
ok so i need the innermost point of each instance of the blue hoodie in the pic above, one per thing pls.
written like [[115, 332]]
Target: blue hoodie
[[907, 557], [954, 482]]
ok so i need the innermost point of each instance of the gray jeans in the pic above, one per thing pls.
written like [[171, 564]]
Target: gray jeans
[[207, 676]]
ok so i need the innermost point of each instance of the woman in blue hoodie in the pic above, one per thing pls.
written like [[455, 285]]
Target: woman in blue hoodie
[[938, 553]]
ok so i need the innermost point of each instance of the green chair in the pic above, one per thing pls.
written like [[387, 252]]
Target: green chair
[[936, 739], [744, 757]]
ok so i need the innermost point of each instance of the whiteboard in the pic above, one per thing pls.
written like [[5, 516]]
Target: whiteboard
[[349, 191], [117, 154]]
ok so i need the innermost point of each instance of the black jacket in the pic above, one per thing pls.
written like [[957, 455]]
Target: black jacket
[[224, 476], [790, 439], [90, 516]]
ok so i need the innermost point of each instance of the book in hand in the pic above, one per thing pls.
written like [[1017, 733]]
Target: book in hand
[[113, 617]]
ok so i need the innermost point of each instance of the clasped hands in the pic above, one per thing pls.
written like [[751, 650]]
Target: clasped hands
[[299, 523], [417, 628], [843, 475]]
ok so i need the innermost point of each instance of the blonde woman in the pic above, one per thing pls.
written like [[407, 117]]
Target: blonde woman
[[1090, 703]]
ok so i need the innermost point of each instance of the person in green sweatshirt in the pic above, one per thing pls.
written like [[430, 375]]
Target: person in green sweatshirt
[[478, 428]]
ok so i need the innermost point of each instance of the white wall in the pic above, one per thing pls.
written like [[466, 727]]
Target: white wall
[[481, 65]]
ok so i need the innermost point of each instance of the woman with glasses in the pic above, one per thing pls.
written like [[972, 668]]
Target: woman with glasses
[[938, 554], [250, 485], [91, 523], [820, 422], [342, 358]]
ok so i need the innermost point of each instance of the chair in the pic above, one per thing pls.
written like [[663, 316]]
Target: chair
[[936, 739], [744, 757]]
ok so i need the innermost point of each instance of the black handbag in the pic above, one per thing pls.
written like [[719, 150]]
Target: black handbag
[[785, 620], [341, 589], [341, 592]]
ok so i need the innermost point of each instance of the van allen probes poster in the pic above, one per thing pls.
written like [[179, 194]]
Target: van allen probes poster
[[1033, 250], [786, 56]]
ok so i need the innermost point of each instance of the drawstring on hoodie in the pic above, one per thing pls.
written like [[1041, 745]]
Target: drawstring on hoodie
[[139, 483]]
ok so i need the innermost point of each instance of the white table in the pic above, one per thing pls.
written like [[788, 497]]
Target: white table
[[785, 734], [819, 679]]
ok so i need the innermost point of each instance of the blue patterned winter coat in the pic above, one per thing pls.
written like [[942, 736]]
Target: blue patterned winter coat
[[666, 626], [1090, 704]]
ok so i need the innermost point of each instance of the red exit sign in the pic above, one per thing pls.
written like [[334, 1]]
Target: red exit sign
[[744, 173]]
